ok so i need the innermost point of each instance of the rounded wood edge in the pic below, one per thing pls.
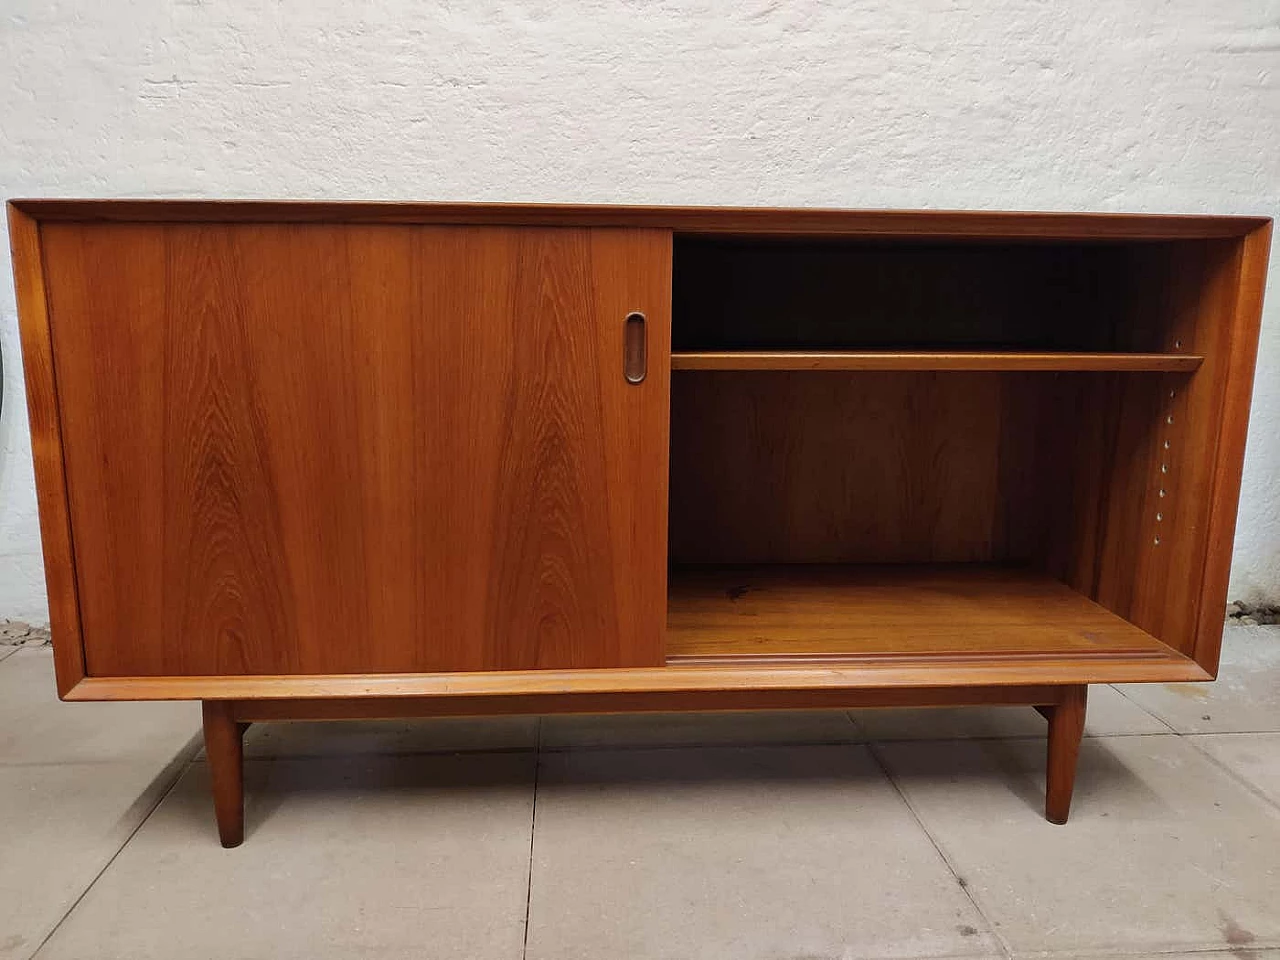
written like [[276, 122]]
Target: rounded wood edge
[[1011, 360], [744, 221], [44, 417]]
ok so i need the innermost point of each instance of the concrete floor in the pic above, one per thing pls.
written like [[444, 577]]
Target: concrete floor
[[878, 834]]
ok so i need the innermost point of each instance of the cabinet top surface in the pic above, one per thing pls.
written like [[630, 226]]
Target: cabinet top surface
[[728, 221]]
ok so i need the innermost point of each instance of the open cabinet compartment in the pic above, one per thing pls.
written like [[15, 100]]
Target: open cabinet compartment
[[944, 449], [734, 294]]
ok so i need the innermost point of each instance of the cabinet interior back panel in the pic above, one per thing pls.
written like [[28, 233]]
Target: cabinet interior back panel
[[327, 449], [740, 294], [772, 467]]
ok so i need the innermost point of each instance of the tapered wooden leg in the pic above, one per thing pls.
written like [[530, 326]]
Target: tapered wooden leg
[[1066, 727], [224, 748]]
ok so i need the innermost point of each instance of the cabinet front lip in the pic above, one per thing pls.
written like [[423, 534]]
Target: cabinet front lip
[[743, 221], [939, 673]]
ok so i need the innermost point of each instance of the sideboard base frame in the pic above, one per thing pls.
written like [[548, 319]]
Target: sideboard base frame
[[225, 723]]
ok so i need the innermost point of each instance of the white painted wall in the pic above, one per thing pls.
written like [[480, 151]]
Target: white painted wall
[[1146, 105]]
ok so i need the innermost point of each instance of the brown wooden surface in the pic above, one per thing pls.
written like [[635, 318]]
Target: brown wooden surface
[[320, 449], [1063, 706], [696, 684], [1123, 486], [1157, 584], [1135, 465], [781, 467], [224, 754], [708, 220], [47, 448], [929, 360], [1066, 727], [735, 614], [1061, 471], [1240, 359]]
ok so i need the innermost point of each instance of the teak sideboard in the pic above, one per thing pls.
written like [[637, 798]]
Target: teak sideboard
[[374, 460]]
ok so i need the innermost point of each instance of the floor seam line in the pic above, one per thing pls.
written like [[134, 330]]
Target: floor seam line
[[179, 768], [533, 832], [1229, 733], [1232, 774], [1159, 719], [1005, 948], [854, 726], [1208, 952]]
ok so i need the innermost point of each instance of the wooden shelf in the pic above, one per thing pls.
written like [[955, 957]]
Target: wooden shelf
[[815, 612], [930, 360]]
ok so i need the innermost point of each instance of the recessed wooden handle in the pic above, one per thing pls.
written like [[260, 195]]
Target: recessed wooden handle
[[634, 352]]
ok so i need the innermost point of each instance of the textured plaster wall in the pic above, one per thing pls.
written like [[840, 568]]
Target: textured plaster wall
[[1147, 105]]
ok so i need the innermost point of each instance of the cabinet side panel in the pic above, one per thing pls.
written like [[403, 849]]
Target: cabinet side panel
[[1161, 493], [46, 449], [1228, 463], [338, 449], [1154, 452]]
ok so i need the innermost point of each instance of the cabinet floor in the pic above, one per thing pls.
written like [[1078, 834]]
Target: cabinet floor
[[892, 833], [807, 611]]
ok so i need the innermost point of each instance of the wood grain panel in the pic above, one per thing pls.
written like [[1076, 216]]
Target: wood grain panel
[[337, 449], [1153, 559], [38, 366], [1241, 354], [1076, 431], [1151, 447], [1145, 487], [846, 468]]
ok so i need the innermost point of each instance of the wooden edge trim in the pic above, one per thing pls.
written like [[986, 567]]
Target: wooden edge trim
[[46, 448], [252, 711], [690, 220], [1154, 651], [959, 360], [648, 681], [1228, 460]]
